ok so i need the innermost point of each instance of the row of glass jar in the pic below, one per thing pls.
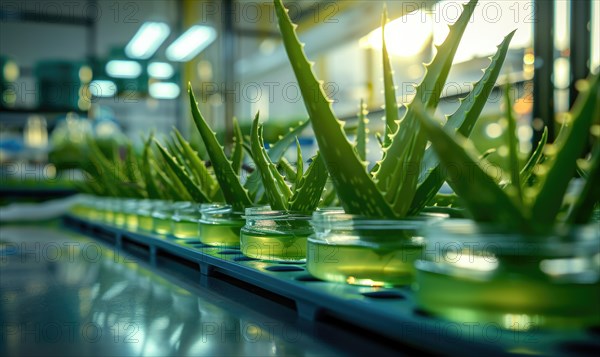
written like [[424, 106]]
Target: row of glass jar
[[463, 271], [339, 247]]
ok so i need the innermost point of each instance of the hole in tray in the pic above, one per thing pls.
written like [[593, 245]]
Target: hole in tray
[[308, 278], [422, 313], [191, 242], [284, 268], [384, 294], [230, 251], [581, 348], [244, 259]]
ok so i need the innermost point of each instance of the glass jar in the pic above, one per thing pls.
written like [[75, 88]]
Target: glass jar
[[162, 212], [220, 225], [474, 272], [363, 251], [117, 207], [102, 209], [275, 235], [144, 214], [130, 213], [186, 218], [83, 206]]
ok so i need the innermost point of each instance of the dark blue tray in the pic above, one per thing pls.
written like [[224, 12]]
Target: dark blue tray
[[390, 315]]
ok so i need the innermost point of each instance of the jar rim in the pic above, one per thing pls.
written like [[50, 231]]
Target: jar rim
[[265, 212], [559, 241], [336, 217]]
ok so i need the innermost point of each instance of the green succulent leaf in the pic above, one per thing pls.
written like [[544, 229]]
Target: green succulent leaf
[[299, 163], [513, 146], [590, 194], [310, 187], [206, 181], [329, 196], [233, 191], [237, 155], [278, 193], [288, 170], [462, 121], [361, 133], [427, 96], [391, 104], [357, 192], [535, 158], [170, 189], [486, 201], [276, 152], [569, 146], [149, 177], [186, 184]]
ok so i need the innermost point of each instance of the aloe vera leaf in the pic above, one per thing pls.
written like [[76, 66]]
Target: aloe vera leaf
[[111, 175], [462, 121], [299, 162], [391, 104], [151, 187], [205, 180], [554, 184], [403, 186], [329, 195], [237, 155], [356, 191], [481, 195], [195, 194], [513, 146], [175, 151], [590, 193], [168, 188], [276, 151], [535, 158], [229, 181], [105, 180], [361, 132], [288, 169], [278, 193], [310, 187], [427, 94]]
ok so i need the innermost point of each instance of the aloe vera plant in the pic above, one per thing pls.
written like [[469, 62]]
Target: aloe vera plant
[[407, 177], [531, 209], [239, 195], [305, 193]]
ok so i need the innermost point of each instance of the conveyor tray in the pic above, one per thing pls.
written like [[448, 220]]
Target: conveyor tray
[[390, 314]]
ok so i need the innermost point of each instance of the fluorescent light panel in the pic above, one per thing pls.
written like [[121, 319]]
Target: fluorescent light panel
[[123, 69], [147, 40], [160, 70], [102, 88], [191, 43], [164, 90]]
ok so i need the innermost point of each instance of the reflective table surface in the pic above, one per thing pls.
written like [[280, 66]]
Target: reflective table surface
[[64, 294]]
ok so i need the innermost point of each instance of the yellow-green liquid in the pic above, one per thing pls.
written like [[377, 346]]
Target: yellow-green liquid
[[516, 301], [145, 223], [287, 248], [162, 225], [185, 229], [108, 216], [361, 265], [220, 235], [119, 219], [131, 221]]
